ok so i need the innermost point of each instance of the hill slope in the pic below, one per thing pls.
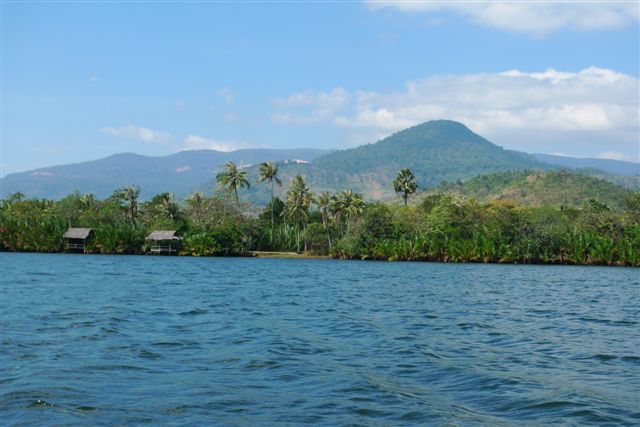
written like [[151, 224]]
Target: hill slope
[[178, 173], [435, 151], [539, 188], [616, 167]]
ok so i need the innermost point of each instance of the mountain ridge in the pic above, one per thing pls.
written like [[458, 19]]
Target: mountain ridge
[[618, 167], [436, 151], [178, 173]]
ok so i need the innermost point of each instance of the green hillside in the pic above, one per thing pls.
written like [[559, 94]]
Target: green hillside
[[539, 188], [436, 151]]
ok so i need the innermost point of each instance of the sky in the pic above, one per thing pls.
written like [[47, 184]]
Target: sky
[[81, 81]]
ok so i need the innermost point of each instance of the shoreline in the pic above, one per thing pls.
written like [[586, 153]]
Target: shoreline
[[287, 255], [307, 256]]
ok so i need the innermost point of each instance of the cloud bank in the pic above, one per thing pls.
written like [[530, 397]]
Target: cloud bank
[[537, 18], [137, 132], [195, 142], [570, 107], [310, 107]]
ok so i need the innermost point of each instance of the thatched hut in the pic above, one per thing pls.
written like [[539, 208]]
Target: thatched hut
[[164, 242], [77, 238]]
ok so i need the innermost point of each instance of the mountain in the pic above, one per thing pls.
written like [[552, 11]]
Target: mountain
[[535, 188], [435, 151], [177, 173], [616, 167]]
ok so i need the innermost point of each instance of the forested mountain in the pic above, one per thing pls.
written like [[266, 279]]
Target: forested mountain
[[616, 167], [440, 150], [436, 152], [537, 188], [177, 173]]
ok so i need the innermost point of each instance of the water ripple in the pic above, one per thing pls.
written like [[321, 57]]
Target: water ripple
[[182, 341]]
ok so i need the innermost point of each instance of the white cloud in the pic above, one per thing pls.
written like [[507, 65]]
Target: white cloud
[[183, 169], [227, 94], [514, 108], [562, 154], [195, 142], [137, 132], [46, 150], [592, 99], [534, 17], [615, 155], [41, 173], [310, 107]]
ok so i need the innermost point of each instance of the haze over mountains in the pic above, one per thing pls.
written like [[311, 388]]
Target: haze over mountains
[[177, 173], [436, 151], [617, 167]]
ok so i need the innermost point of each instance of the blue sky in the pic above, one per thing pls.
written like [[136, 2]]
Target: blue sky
[[85, 80]]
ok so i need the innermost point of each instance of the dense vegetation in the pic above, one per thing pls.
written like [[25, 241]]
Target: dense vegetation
[[536, 188], [438, 227]]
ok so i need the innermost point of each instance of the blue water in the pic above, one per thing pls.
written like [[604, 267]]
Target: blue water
[[104, 340]]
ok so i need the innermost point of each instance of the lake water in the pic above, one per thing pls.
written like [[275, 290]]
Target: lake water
[[199, 341]]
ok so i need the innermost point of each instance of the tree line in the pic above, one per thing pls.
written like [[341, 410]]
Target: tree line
[[439, 227]]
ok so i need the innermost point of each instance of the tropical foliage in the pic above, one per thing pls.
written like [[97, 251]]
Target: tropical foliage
[[269, 173], [232, 178], [405, 184], [537, 188], [441, 226]]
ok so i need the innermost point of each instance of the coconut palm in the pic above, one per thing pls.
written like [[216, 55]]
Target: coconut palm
[[298, 200], [346, 205], [87, 201], [233, 178], [167, 207], [405, 184], [324, 201], [196, 206], [269, 173], [129, 195]]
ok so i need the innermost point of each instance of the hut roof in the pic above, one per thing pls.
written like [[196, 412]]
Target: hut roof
[[77, 233], [163, 235]]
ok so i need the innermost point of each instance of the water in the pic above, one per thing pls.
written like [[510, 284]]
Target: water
[[192, 341]]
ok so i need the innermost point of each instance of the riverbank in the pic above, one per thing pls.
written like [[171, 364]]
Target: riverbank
[[311, 256], [439, 229], [290, 255]]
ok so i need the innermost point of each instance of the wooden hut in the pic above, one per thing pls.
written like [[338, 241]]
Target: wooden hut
[[77, 238], [164, 242]]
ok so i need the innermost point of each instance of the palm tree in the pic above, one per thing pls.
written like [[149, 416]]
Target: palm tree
[[347, 204], [197, 205], [87, 201], [167, 208], [405, 184], [298, 199], [324, 201], [129, 195], [269, 173], [233, 178]]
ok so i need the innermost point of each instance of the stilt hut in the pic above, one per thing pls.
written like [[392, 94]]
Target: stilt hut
[[77, 238], [164, 242]]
